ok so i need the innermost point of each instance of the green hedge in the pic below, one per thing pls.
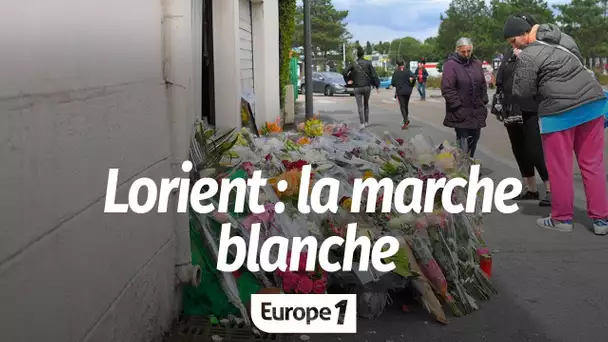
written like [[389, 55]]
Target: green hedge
[[287, 20], [433, 82], [602, 78]]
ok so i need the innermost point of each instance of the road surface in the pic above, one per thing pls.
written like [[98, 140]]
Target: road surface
[[553, 286]]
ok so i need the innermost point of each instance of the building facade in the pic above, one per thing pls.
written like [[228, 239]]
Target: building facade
[[89, 86]]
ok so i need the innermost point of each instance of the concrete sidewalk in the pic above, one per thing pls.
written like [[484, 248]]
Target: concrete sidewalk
[[552, 285]]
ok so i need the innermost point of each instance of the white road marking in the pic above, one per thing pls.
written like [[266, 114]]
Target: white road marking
[[325, 101]]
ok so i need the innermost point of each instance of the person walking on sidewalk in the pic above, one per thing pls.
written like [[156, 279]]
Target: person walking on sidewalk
[[464, 88], [572, 108], [361, 75], [403, 80], [421, 77], [521, 121]]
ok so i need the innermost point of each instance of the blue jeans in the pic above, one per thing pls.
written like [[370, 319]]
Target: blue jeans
[[421, 90]]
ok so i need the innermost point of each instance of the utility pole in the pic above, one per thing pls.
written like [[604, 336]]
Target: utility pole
[[308, 60]]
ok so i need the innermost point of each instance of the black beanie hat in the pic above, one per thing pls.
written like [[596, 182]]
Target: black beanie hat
[[516, 26]]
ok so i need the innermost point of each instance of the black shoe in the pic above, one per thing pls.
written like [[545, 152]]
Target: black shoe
[[546, 201], [527, 196]]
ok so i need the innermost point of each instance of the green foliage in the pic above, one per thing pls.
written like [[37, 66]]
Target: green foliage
[[368, 48], [287, 17], [602, 78], [383, 47], [587, 22], [212, 146], [382, 73], [328, 27], [433, 82], [482, 21], [411, 49]]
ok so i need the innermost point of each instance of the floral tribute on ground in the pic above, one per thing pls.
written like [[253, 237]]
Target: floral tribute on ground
[[442, 258]]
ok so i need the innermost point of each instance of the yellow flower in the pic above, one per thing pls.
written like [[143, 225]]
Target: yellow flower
[[368, 174], [347, 204]]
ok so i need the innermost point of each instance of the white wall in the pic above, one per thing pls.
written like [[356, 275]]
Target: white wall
[[226, 61], [82, 91], [232, 46], [266, 60], [246, 45]]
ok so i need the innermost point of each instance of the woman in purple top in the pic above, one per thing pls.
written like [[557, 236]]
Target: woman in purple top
[[464, 88]]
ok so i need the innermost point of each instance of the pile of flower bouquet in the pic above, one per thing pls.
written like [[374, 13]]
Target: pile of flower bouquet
[[440, 253]]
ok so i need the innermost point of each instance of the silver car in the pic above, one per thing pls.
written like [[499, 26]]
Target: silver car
[[328, 83]]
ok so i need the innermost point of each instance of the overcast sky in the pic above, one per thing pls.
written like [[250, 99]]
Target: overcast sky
[[376, 20]]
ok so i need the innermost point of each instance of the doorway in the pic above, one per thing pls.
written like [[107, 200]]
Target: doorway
[[208, 95]]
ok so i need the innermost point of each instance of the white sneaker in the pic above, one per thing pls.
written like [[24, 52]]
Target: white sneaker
[[362, 127], [560, 226], [600, 227]]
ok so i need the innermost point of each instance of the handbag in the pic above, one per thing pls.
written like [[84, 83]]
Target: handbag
[[496, 108]]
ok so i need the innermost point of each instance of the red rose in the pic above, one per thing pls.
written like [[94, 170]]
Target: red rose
[[319, 286], [290, 281], [304, 285]]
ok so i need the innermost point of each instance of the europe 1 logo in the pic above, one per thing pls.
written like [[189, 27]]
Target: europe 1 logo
[[304, 313]]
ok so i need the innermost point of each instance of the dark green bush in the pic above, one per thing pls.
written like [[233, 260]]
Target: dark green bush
[[287, 20]]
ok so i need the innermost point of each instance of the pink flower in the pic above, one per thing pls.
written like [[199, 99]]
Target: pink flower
[[220, 217], [248, 167], [422, 223], [304, 285], [319, 286], [290, 281]]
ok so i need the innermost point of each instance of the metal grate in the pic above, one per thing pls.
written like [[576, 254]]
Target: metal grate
[[200, 329]]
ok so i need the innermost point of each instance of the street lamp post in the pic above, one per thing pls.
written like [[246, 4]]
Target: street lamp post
[[308, 60]]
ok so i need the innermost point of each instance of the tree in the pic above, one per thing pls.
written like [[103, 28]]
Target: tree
[[328, 27], [383, 47], [368, 48], [501, 10], [407, 48], [484, 23], [464, 18], [587, 22]]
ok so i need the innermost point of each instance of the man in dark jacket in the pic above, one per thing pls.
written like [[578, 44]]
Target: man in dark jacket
[[464, 88], [421, 77], [403, 80], [572, 107], [362, 76]]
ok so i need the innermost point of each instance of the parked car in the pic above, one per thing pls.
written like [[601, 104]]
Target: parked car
[[385, 82], [327, 83]]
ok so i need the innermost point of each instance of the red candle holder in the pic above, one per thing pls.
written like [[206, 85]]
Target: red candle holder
[[485, 263]]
